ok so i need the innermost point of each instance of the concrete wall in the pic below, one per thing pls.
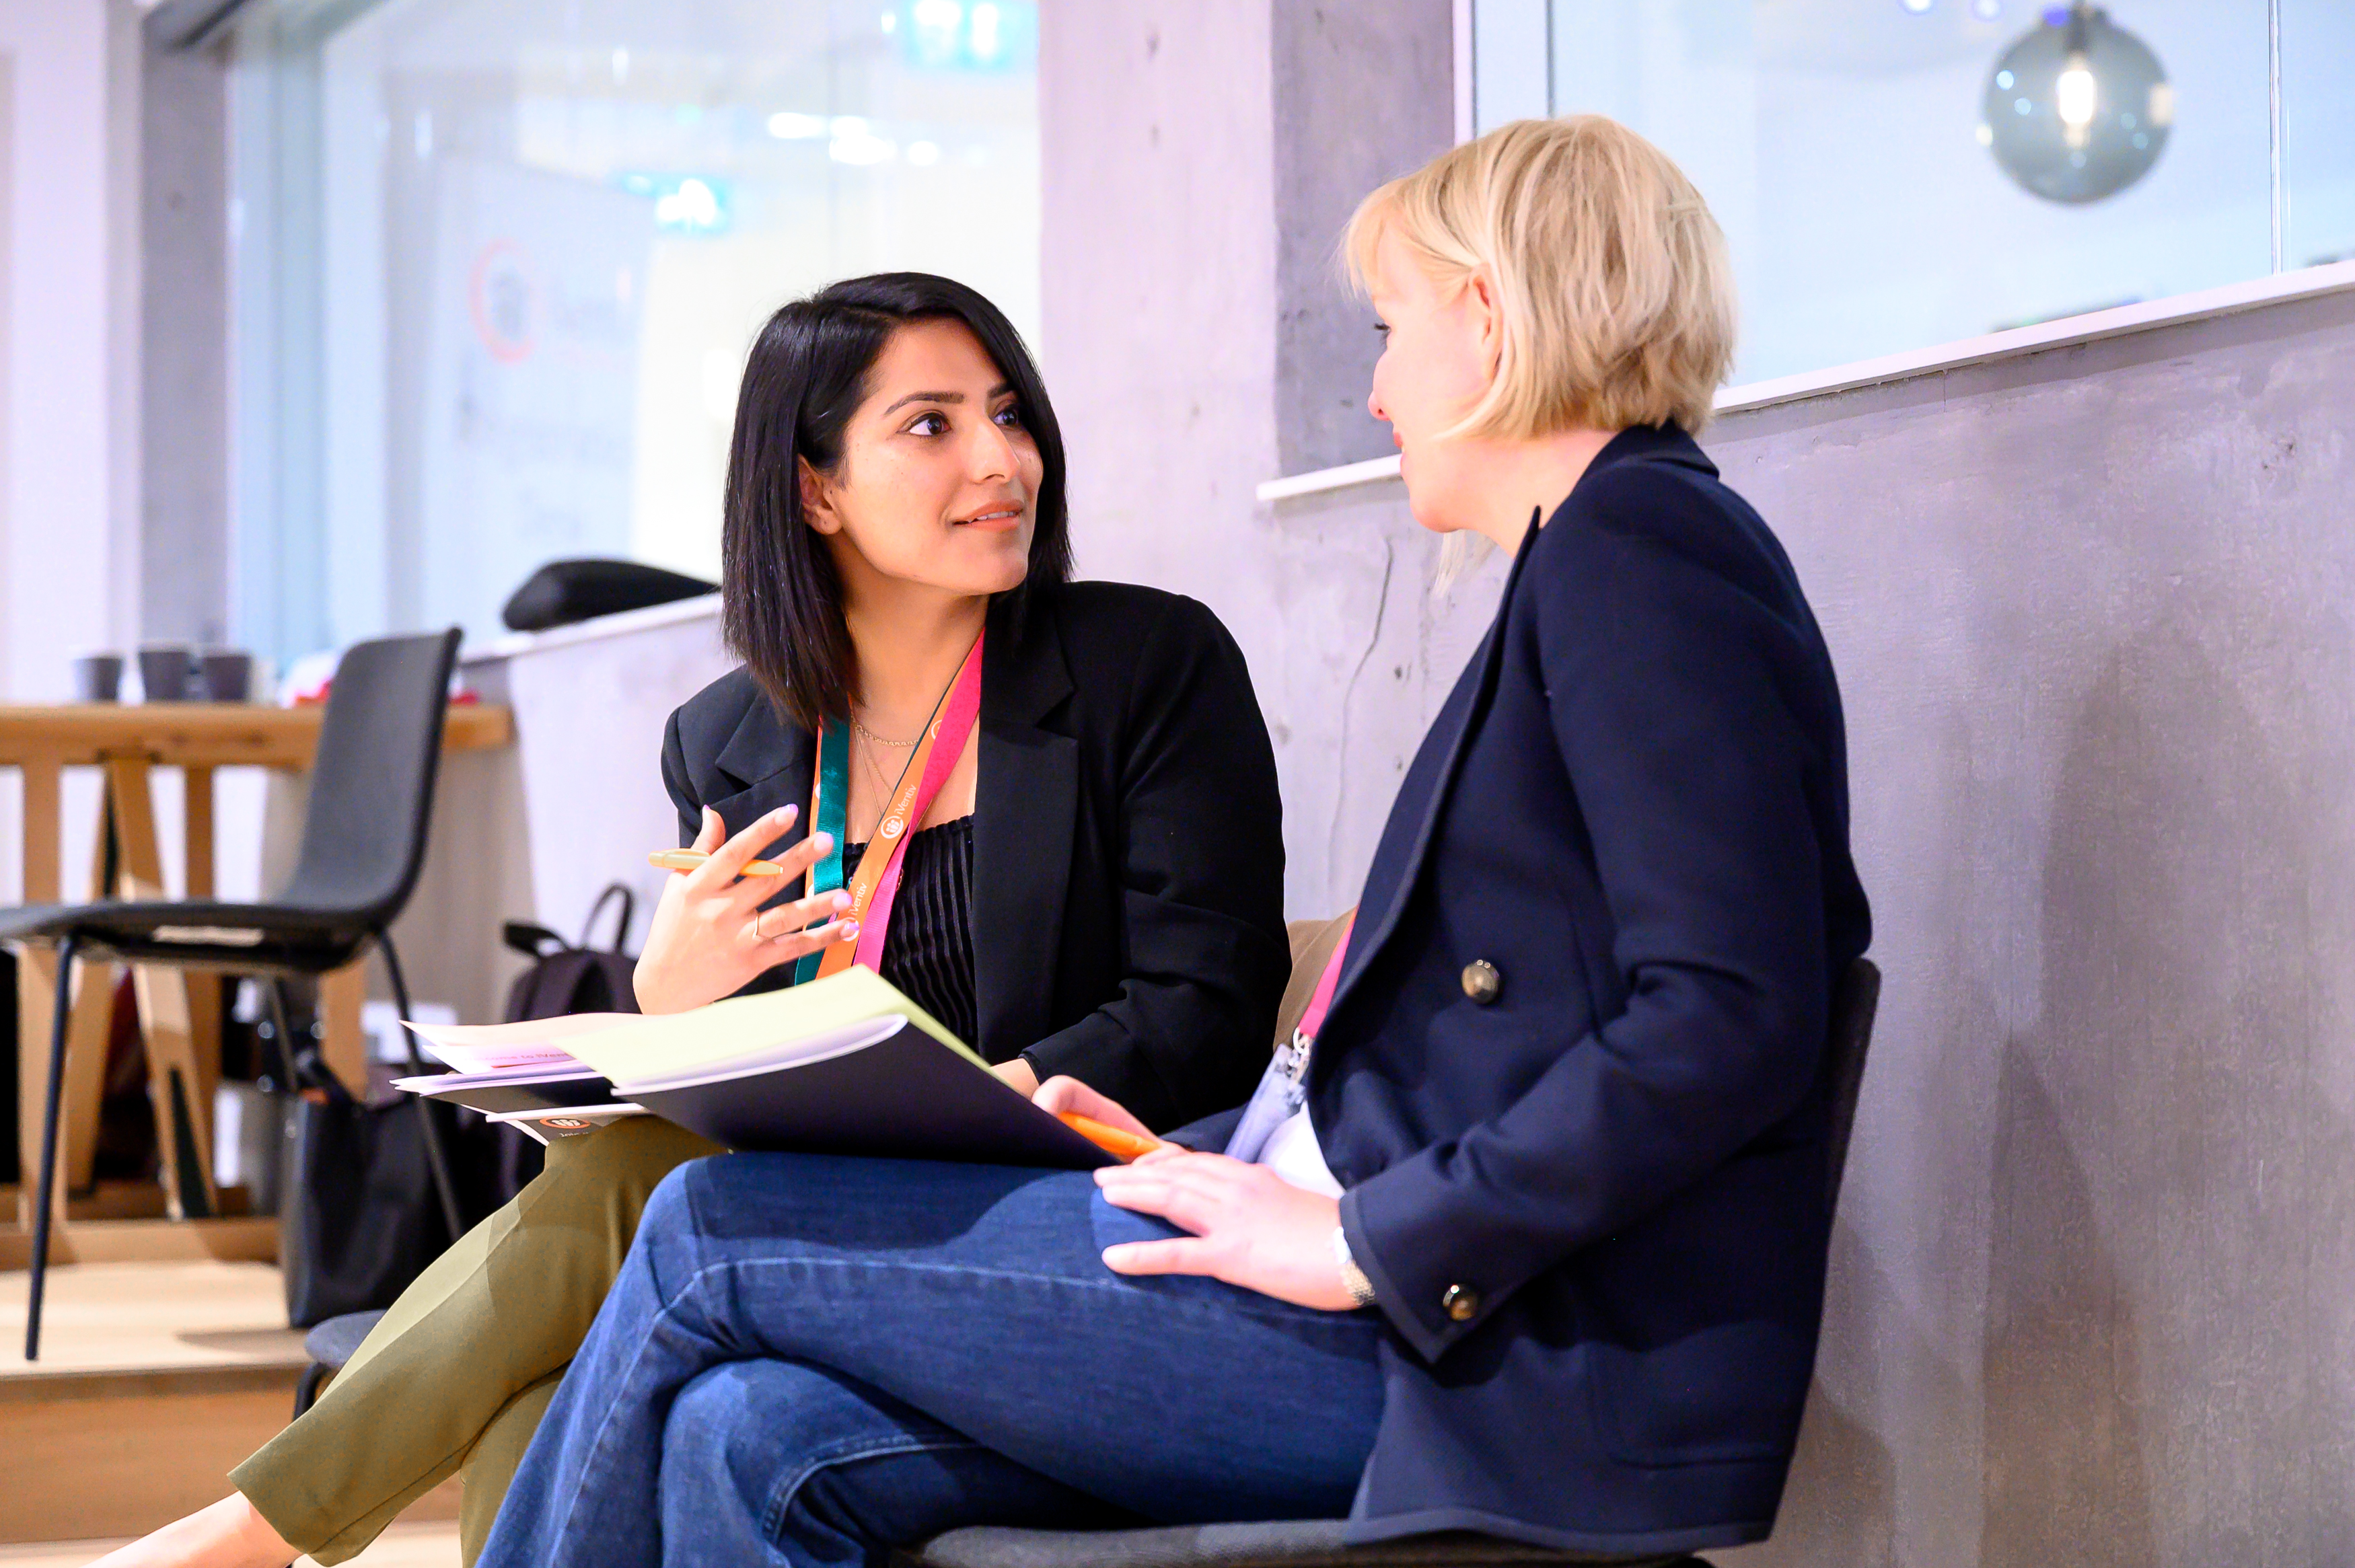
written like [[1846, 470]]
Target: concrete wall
[[1199, 161], [2092, 616], [1362, 94]]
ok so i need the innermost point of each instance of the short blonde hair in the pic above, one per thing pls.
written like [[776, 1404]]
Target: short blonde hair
[[1611, 278]]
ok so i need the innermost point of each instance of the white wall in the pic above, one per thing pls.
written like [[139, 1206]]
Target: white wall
[[68, 501], [58, 532]]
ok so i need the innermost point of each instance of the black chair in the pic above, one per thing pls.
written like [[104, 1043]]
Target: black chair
[[1320, 1543], [363, 845], [330, 1346]]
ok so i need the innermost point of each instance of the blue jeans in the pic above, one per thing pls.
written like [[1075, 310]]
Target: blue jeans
[[808, 1359]]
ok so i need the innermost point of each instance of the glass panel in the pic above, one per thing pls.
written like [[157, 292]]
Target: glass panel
[[520, 248], [1849, 149], [2318, 140]]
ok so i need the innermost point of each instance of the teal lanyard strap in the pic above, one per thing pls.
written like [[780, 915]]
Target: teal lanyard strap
[[832, 819]]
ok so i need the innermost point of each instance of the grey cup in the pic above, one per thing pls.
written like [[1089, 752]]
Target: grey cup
[[228, 675], [164, 671], [98, 678]]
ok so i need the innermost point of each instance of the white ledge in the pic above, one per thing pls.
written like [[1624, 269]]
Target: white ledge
[[2066, 333], [1373, 470], [622, 624]]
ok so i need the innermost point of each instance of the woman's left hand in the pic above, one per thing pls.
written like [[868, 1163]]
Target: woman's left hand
[[1252, 1227]]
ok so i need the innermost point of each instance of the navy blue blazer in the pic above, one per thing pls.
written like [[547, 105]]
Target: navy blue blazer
[[1591, 1196]]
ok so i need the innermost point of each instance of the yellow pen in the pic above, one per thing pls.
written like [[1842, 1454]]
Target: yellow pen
[[687, 860]]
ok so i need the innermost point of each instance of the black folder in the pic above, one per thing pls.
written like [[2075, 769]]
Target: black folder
[[905, 1097]]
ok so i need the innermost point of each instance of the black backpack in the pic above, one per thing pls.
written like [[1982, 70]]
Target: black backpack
[[574, 977], [357, 1227], [563, 978]]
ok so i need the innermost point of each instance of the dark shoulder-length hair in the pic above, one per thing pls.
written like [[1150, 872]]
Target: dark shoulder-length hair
[[781, 598]]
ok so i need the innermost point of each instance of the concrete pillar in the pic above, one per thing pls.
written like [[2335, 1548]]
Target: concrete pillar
[[183, 331], [1199, 159], [1363, 94]]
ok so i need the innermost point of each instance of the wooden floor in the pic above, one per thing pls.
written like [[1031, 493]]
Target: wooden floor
[[156, 1380], [154, 1316], [135, 1230], [403, 1546]]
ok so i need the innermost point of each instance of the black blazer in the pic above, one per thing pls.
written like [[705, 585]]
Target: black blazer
[[1127, 841], [1591, 1205]]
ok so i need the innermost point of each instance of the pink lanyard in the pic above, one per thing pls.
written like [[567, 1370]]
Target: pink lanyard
[[1312, 1021], [943, 744]]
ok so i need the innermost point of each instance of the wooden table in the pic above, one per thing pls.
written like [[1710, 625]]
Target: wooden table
[[182, 1022]]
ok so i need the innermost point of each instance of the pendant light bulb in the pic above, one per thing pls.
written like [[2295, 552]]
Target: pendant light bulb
[[2074, 94], [2075, 89]]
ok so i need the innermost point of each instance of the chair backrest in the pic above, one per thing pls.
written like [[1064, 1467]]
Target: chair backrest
[[1854, 1001], [372, 780]]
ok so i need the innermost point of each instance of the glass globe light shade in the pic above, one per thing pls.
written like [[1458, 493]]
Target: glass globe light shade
[[2077, 109]]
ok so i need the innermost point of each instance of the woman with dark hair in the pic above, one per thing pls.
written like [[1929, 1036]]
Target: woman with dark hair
[[1088, 884]]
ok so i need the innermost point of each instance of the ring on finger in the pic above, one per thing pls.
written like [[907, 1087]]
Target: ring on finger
[[758, 935]]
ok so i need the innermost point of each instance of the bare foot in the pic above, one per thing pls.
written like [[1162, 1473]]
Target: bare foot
[[229, 1534]]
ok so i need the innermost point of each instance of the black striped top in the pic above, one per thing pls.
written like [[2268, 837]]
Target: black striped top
[[928, 952]]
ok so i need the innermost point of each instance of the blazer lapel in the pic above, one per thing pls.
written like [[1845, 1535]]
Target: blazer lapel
[[1026, 803], [1664, 443], [1457, 721], [773, 759]]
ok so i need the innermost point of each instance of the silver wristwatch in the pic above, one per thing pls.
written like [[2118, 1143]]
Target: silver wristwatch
[[1353, 1278]]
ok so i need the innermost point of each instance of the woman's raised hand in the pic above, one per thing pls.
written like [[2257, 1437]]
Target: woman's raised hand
[[710, 937]]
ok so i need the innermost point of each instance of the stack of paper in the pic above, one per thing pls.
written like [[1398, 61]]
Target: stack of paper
[[844, 1064]]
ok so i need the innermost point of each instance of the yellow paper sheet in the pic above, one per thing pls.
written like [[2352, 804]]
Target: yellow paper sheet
[[670, 1044]]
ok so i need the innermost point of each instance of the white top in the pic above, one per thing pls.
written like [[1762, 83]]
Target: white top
[[1293, 1153]]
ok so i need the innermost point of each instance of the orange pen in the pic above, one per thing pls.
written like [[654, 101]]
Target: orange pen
[[1126, 1146], [687, 860]]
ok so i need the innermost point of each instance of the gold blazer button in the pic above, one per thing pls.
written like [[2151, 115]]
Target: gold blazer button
[[1482, 983], [1461, 1303]]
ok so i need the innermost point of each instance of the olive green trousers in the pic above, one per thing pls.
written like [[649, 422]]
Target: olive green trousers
[[457, 1375]]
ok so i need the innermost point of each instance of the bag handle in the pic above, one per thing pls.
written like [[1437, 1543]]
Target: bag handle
[[622, 927], [534, 942]]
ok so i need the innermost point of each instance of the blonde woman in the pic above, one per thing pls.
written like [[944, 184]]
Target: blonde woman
[[1536, 1247]]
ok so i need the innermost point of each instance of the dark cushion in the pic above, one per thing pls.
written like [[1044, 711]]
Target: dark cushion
[[562, 593], [337, 1339], [1287, 1543]]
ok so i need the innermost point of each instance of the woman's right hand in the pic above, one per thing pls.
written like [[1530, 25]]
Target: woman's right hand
[[1063, 1093], [710, 937]]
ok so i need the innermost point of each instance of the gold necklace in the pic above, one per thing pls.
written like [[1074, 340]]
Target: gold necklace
[[874, 765], [882, 784], [878, 739]]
